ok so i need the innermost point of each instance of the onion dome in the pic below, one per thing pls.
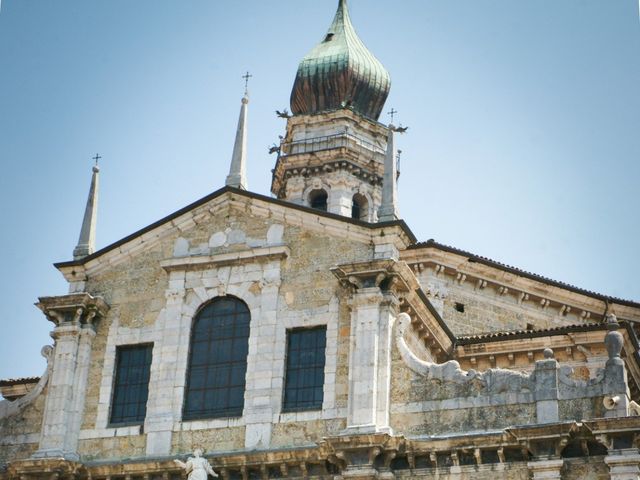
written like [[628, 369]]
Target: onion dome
[[340, 72]]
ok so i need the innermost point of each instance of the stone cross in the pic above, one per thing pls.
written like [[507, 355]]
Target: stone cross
[[392, 113], [96, 158], [246, 77]]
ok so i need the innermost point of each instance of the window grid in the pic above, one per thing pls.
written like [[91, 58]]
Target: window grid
[[131, 389], [218, 361], [304, 382]]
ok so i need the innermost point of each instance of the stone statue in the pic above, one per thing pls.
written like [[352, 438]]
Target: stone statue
[[197, 467]]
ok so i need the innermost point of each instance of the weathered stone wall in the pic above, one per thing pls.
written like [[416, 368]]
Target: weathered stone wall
[[587, 468], [224, 439], [488, 309], [308, 294], [121, 447], [20, 432]]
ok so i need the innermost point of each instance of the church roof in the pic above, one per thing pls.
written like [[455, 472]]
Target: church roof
[[472, 257], [516, 334], [340, 72]]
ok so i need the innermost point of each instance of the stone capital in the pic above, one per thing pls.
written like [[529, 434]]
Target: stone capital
[[73, 309], [366, 297]]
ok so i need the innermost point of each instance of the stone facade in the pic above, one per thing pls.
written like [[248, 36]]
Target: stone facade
[[435, 363], [396, 402]]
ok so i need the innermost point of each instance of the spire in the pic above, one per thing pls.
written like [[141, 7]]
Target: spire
[[87, 241], [237, 173], [388, 210]]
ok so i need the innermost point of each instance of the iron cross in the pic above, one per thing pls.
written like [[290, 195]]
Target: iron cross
[[392, 112], [246, 77], [96, 158]]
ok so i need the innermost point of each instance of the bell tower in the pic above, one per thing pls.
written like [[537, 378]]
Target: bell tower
[[333, 154]]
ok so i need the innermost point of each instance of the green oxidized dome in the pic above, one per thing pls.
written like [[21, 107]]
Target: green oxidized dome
[[340, 72]]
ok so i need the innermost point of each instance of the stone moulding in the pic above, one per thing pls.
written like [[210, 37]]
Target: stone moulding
[[8, 408], [203, 262]]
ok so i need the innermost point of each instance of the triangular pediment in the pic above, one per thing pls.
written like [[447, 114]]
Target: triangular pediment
[[224, 204]]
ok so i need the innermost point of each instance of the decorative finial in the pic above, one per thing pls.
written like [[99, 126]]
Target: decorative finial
[[237, 177], [547, 353], [613, 340], [87, 240], [246, 77]]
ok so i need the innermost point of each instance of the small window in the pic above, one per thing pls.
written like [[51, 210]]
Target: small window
[[131, 388], [459, 307], [304, 379], [359, 207], [329, 37], [318, 200]]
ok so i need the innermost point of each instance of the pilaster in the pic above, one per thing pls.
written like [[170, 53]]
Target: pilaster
[[546, 388], [74, 316], [624, 464], [260, 400], [374, 306], [364, 364], [547, 469]]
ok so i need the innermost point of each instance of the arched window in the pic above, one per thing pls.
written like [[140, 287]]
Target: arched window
[[318, 199], [359, 207], [218, 360]]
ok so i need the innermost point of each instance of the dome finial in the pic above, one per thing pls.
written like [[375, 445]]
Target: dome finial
[[340, 72]]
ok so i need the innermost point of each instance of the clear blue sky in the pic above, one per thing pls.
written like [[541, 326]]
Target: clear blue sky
[[523, 144]]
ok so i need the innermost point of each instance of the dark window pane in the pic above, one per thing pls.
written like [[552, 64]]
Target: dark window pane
[[219, 347], [304, 382], [131, 387]]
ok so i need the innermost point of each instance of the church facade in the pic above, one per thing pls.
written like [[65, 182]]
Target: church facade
[[310, 335]]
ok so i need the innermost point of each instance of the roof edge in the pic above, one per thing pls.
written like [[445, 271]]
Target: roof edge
[[245, 193], [472, 257], [519, 334]]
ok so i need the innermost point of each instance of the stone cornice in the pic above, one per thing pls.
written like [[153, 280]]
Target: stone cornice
[[75, 309], [251, 255], [528, 443], [462, 269]]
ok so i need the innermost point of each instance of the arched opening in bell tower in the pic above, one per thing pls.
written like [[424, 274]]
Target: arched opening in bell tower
[[318, 199], [360, 207]]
